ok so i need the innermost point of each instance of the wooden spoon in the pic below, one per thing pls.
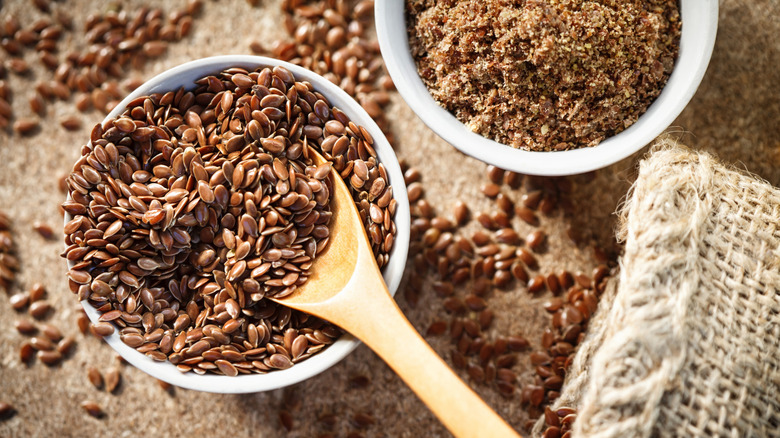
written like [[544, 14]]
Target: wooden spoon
[[346, 288]]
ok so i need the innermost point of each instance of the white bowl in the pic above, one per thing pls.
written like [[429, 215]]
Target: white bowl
[[184, 75], [699, 26]]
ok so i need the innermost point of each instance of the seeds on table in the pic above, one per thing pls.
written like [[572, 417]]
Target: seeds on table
[[82, 320], [95, 377], [37, 292], [490, 190], [7, 410], [527, 215], [65, 345], [19, 300], [25, 327], [49, 357], [535, 240], [44, 230], [39, 309], [495, 174], [26, 352], [553, 284], [25, 126], [37, 104], [71, 123], [165, 386], [286, 419], [42, 343], [461, 213], [18, 66], [92, 408], [505, 204]]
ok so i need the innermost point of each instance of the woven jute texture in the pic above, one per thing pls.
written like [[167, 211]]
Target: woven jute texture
[[689, 343]]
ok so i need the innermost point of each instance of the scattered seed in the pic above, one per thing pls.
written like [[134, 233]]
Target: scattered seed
[[25, 126], [112, 379], [39, 309], [536, 284], [37, 104], [50, 358], [71, 123], [94, 376], [92, 409], [19, 301], [527, 215], [51, 332], [490, 190], [461, 213], [286, 420], [83, 323], [65, 345], [495, 174], [7, 410], [526, 257], [535, 240], [26, 352], [43, 230]]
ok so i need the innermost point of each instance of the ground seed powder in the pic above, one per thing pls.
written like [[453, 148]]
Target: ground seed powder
[[545, 74]]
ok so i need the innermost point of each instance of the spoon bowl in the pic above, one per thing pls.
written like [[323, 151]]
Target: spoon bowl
[[347, 289]]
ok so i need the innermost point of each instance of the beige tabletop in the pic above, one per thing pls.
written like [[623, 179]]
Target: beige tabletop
[[735, 114]]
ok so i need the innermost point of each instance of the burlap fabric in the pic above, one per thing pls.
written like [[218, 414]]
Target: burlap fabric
[[689, 343]]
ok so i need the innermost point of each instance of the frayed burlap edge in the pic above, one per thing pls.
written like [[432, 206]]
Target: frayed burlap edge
[[689, 343]]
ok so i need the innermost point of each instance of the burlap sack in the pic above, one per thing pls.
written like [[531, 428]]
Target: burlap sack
[[689, 343]]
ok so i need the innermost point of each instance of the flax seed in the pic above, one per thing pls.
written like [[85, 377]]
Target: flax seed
[[25, 327], [490, 190], [101, 329], [26, 352], [25, 126], [19, 301], [39, 309], [7, 410], [252, 273], [112, 379], [536, 240], [65, 345], [71, 123], [94, 377], [526, 215], [536, 284], [49, 358], [286, 420], [92, 408]]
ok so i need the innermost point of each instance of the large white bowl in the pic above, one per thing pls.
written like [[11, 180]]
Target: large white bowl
[[699, 26], [184, 75]]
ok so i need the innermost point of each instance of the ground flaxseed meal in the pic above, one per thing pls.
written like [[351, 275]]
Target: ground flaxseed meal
[[192, 207], [545, 75]]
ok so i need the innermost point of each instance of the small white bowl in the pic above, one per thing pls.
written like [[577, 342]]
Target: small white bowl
[[184, 75], [699, 26]]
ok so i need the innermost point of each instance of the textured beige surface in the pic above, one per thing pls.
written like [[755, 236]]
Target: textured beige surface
[[688, 345], [734, 114]]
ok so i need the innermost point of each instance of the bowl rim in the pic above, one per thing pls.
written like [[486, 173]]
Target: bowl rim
[[696, 46], [183, 75]]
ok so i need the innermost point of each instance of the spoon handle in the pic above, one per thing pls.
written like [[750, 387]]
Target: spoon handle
[[375, 318]]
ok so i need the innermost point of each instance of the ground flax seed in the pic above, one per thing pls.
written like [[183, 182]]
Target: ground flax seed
[[545, 75]]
